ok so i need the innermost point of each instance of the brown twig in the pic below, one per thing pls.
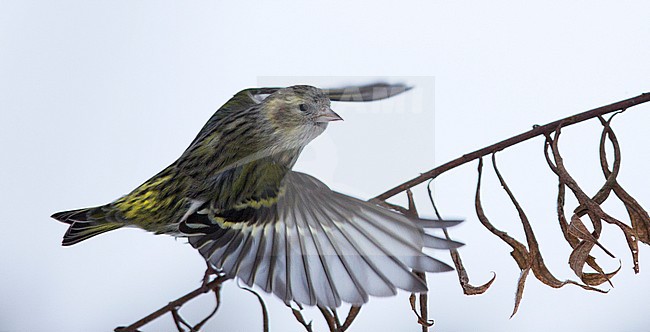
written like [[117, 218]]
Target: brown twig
[[179, 321], [298, 315], [463, 277], [265, 313], [329, 318], [536, 131], [352, 314], [423, 315], [171, 306], [217, 295]]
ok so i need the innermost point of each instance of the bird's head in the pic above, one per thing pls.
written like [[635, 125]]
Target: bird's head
[[298, 113]]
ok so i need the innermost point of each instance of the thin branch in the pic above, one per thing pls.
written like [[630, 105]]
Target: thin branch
[[329, 318], [300, 318], [173, 305], [179, 321], [354, 311], [536, 131], [217, 295], [265, 313], [423, 316], [463, 277]]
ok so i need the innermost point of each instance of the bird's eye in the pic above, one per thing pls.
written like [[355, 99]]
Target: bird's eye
[[303, 107]]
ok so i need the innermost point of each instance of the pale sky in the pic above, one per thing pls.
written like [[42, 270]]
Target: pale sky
[[96, 97]]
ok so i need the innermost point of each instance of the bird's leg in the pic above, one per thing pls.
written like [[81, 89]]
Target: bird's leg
[[209, 271]]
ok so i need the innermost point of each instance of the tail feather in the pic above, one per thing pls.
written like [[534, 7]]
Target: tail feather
[[71, 216], [84, 224]]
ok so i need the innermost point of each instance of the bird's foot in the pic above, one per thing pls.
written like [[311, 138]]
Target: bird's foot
[[210, 271]]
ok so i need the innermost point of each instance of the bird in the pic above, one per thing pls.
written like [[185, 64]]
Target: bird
[[234, 195]]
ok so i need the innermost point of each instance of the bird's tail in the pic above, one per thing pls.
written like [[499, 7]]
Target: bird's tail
[[85, 223]]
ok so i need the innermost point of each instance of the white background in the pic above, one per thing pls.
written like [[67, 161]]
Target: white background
[[95, 97]]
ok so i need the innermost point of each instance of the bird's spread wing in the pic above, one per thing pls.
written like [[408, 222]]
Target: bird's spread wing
[[315, 246], [360, 93], [370, 92]]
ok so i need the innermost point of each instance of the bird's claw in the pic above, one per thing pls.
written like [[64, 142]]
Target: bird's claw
[[209, 271]]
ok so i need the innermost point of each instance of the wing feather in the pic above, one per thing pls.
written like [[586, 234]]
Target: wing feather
[[327, 293], [262, 265], [297, 270], [348, 287], [315, 246]]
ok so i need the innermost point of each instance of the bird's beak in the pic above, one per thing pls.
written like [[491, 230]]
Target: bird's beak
[[327, 115]]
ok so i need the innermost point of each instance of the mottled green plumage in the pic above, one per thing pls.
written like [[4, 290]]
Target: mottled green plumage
[[241, 154], [233, 194]]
